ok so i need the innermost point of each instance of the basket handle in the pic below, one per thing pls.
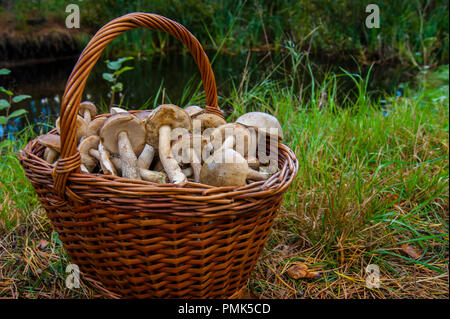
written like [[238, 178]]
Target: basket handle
[[70, 157]]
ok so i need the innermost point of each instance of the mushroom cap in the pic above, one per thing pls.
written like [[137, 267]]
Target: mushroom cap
[[51, 141], [143, 115], [123, 122], [81, 127], [224, 168], [86, 105], [209, 120], [193, 110], [114, 110], [95, 125], [262, 121], [166, 114], [88, 143], [188, 142], [241, 133]]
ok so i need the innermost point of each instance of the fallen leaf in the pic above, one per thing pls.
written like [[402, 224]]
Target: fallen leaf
[[301, 271], [411, 251], [42, 244]]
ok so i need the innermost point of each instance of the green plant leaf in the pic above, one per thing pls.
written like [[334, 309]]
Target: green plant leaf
[[3, 120], [118, 87], [17, 113], [113, 65], [4, 104], [20, 98], [121, 60], [108, 77], [116, 65], [124, 69], [5, 71], [2, 89]]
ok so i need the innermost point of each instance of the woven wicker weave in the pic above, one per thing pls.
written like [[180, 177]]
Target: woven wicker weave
[[146, 240]]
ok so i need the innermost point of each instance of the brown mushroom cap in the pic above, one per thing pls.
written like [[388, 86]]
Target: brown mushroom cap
[[143, 115], [194, 110], [87, 106], [87, 159], [115, 110], [209, 120], [81, 127], [95, 125], [123, 122], [166, 114], [262, 121], [224, 168], [51, 141]]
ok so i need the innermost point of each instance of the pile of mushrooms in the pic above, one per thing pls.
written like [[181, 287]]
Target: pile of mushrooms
[[173, 145]]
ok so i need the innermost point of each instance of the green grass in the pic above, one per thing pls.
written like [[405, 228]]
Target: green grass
[[371, 178], [413, 31]]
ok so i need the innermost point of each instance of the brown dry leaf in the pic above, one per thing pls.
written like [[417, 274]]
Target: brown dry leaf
[[411, 251], [42, 244], [301, 271]]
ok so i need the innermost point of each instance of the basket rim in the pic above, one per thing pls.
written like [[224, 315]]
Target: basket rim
[[190, 191]]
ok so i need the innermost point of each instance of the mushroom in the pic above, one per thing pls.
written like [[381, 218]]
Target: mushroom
[[188, 150], [152, 176], [143, 115], [193, 110], [124, 134], [90, 156], [80, 124], [89, 153], [146, 175], [207, 121], [159, 126], [228, 168], [232, 135], [146, 158], [105, 160], [87, 110], [95, 125], [115, 110], [188, 171], [53, 144], [253, 162], [264, 123]]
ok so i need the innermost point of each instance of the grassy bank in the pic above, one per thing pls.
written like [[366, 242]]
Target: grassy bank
[[414, 32], [372, 188]]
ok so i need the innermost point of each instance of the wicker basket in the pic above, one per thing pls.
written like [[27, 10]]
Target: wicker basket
[[146, 240]]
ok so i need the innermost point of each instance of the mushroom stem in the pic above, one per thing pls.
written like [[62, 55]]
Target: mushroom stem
[[196, 166], [127, 157], [84, 169], [152, 176], [146, 174], [253, 162], [169, 163], [52, 156], [87, 115], [228, 143], [146, 157], [188, 171], [257, 176], [105, 161]]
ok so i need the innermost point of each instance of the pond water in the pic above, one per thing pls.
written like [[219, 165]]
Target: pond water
[[45, 82]]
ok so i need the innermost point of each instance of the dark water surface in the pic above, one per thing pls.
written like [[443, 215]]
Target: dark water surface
[[46, 82]]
